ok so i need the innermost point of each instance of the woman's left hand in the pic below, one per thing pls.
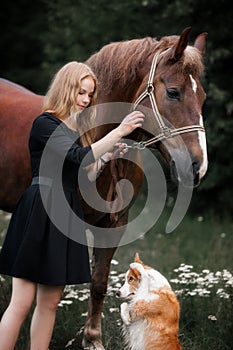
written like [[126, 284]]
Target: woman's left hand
[[122, 150], [118, 151]]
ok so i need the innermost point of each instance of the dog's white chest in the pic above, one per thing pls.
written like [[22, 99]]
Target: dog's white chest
[[134, 335]]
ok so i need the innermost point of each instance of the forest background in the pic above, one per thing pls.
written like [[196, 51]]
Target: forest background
[[38, 37]]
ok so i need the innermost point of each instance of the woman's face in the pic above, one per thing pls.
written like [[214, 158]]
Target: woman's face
[[86, 92]]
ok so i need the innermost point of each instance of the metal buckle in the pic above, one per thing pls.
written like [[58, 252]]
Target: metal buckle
[[135, 145], [166, 132], [138, 145]]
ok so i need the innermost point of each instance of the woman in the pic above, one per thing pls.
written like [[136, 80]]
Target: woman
[[40, 258]]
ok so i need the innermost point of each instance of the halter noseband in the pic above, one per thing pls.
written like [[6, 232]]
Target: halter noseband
[[166, 132]]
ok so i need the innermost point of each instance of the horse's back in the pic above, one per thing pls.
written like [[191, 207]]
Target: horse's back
[[11, 94], [7, 86], [18, 108]]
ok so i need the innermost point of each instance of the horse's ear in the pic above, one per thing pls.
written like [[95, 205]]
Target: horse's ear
[[200, 42], [137, 259], [181, 45]]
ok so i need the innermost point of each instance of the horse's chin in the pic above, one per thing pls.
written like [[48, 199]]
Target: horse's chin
[[187, 179]]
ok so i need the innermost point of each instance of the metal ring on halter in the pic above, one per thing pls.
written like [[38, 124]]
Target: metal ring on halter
[[167, 132], [138, 145], [150, 88]]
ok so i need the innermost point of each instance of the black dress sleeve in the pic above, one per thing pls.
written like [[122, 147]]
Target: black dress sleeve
[[48, 130]]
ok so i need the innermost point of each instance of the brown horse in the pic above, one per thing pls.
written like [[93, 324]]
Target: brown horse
[[161, 76], [19, 107]]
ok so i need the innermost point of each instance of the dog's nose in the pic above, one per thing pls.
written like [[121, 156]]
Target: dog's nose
[[118, 293]]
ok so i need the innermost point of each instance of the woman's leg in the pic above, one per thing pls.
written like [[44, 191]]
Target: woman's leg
[[44, 315], [23, 293]]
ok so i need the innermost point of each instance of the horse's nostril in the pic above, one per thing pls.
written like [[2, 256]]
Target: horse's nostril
[[196, 177], [118, 293], [174, 172], [188, 176], [195, 167]]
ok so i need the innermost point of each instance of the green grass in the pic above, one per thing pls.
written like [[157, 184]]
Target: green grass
[[206, 323]]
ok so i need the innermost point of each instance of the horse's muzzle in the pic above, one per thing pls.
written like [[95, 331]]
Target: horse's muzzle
[[189, 176]]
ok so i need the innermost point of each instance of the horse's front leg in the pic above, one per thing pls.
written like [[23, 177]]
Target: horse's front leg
[[92, 331]]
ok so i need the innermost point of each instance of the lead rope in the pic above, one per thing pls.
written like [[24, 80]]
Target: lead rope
[[114, 198]]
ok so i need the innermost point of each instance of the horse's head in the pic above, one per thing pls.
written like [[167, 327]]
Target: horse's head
[[174, 91]]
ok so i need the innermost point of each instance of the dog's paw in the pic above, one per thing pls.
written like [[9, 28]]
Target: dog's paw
[[124, 309], [125, 315], [139, 268]]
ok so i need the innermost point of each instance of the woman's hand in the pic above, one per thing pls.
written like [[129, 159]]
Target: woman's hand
[[131, 122], [118, 150], [95, 169], [121, 149]]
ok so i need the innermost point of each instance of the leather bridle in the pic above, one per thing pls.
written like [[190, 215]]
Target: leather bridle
[[165, 131]]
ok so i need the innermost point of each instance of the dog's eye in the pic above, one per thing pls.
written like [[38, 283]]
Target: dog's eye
[[130, 279]]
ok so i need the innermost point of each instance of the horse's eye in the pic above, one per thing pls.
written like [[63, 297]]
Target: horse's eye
[[173, 94]]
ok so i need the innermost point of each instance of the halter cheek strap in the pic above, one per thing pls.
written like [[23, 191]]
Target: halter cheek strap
[[166, 132]]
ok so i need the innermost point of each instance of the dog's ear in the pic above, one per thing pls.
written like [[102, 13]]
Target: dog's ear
[[138, 270], [137, 259]]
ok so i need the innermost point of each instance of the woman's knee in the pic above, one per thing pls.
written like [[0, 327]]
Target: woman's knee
[[20, 309], [49, 297], [23, 294], [49, 304]]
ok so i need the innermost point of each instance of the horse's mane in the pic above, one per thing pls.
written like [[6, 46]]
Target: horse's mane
[[120, 62]]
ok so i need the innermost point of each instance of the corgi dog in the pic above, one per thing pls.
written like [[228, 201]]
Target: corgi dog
[[151, 314]]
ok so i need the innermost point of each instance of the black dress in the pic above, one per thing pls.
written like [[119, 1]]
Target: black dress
[[36, 247]]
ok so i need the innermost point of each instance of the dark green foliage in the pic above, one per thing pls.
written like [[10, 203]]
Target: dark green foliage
[[22, 24]]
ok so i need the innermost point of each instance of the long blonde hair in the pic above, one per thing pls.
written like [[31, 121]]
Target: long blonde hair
[[62, 94]]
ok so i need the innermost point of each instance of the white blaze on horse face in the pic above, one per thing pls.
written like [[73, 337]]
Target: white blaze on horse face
[[202, 141], [201, 136], [194, 84]]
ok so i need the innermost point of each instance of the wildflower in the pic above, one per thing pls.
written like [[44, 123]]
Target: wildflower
[[222, 294], [229, 283], [82, 298], [212, 318], [70, 342], [175, 280], [218, 274], [114, 309], [85, 291], [65, 302], [192, 293], [202, 284], [72, 294], [114, 262]]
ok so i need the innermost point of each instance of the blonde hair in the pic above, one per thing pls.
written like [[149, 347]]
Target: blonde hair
[[62, 94]]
